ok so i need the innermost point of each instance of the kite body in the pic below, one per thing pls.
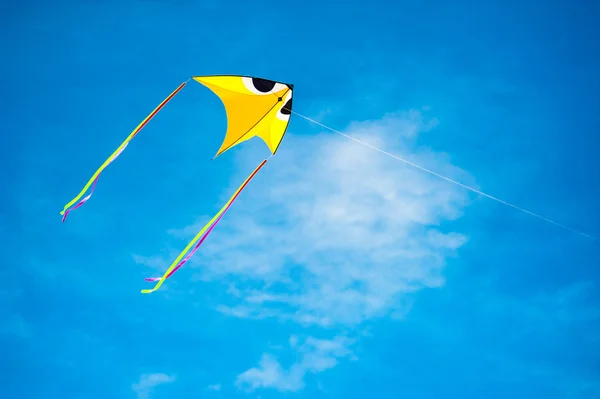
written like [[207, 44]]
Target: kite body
[[255, 107]]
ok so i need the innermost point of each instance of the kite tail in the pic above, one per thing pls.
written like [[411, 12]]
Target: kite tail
[[93, 180], [201, 236]]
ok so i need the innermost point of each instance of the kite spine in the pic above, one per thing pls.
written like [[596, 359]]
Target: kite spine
[[92, 182]]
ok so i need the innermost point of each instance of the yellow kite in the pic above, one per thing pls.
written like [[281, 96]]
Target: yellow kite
[[254, 106]]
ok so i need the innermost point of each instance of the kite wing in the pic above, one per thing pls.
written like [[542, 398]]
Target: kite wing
[[254, 107]]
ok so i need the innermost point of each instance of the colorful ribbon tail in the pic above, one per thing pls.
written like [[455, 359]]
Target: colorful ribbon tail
[[193, 251], [84, 200], [201, 236], [67, 208]]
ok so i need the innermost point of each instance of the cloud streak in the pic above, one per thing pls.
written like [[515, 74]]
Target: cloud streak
[[316, 355], [144, 387]]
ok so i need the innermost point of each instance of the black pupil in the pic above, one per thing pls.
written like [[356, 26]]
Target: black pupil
[[263, 85]]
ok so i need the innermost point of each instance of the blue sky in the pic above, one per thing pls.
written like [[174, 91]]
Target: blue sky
[[339, 273]]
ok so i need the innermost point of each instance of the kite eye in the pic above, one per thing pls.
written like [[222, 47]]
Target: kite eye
[[287, 108], [284, 112], [262, 86]]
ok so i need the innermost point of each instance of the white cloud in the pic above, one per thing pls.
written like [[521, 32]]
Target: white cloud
[[270, 374], [148, 382], [316, 355], [333, 233], [154, 262], [214, 387]]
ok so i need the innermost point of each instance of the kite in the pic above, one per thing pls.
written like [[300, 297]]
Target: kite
[[255, 107]]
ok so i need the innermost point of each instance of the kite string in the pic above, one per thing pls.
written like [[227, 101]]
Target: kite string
[[448, 179]]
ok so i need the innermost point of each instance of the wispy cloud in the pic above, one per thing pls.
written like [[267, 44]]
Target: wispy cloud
[[214, 387], [155, 262], [316, 355], [333, 234], [148, 382]]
